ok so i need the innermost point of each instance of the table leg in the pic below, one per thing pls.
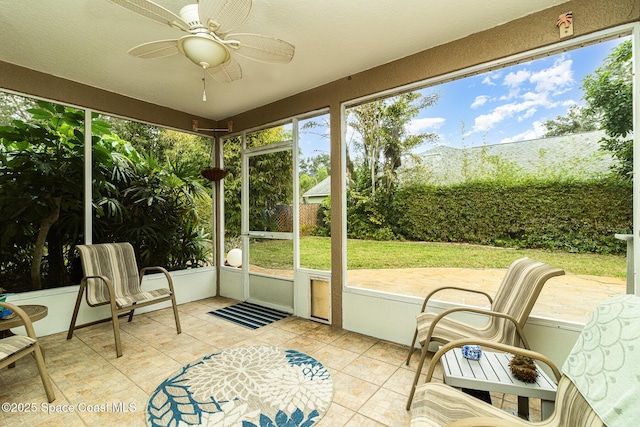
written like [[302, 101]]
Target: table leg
[[523, 407], [546, 408]]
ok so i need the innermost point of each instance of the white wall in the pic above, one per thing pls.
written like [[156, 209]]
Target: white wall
[[393, 318], [232, 283], [189, 285]]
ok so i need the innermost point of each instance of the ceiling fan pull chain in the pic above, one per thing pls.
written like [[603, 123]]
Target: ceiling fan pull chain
[[204, 84]]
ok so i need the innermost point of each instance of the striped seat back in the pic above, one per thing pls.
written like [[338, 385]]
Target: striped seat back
[[572, 409], [117, 262], [518, 293]]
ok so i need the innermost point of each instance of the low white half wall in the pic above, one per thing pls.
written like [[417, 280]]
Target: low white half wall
[[189, 285], [393, 318]]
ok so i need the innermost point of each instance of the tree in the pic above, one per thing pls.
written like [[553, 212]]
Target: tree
[[141, 135], [381, 140], [313, 170], [14, 107], [577, 120], [191, 153], [270, 180], [384, 138], [232, 149], [608, 92], [136, 198], [41, 185], [159, 213], [317, 165]]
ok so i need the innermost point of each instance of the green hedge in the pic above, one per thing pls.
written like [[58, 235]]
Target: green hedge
[[568, 216]]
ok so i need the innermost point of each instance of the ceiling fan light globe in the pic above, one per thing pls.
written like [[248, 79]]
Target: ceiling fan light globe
[[203, 51]]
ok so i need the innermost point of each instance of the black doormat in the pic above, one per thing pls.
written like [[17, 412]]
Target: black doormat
[[249, 315]]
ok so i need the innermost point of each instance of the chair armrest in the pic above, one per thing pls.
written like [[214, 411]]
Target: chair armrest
[[496, 346], [108, 284], [456, 288], [161, 270], [479, 311], [23, 316]]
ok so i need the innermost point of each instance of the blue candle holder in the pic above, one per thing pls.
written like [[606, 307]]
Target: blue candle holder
[[472, 352], [5, 313]]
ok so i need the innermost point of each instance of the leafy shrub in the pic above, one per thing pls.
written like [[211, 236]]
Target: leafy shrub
[[568, 216], [323, 227]]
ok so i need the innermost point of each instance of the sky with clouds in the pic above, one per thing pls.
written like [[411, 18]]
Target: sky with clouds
[[509, 104]]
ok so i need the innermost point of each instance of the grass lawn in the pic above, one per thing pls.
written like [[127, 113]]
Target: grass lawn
[[315, 253]]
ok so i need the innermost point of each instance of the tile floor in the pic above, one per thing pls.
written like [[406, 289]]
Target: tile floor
[[371, 382]]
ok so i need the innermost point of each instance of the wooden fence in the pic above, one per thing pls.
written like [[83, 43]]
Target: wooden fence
[[308, 218]]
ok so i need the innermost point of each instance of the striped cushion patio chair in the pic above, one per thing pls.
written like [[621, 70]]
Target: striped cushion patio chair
[[111, 277], [599, 384], [15, 347], [438, 404], [506, 318]]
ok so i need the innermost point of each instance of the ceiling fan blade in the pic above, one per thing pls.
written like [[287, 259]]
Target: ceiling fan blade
[[157, 49], [227, 72], [153, 11], [262, 48], [223, 16]]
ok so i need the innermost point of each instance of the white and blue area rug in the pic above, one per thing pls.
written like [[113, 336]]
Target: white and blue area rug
[[249, 315], [258, 386]]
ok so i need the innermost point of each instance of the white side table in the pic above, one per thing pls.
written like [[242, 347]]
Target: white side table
[[491, 373]]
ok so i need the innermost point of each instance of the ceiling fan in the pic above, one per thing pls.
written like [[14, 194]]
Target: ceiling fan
[[208, 43]]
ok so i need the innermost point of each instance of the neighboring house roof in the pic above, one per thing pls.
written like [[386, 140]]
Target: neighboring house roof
[[320, 190], [579, 155]]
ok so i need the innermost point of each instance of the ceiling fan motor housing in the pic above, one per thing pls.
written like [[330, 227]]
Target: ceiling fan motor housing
[[189, 14]]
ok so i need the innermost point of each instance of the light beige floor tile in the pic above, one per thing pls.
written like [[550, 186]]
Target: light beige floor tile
[[275, 336], [387, 407], [355, 342], [351, 392], [304, 344], [336, 416], [297, 325], [326, 333], [57, 420], [401, 380], [372, 370], [388, 352], [334, 357], [359, 420]]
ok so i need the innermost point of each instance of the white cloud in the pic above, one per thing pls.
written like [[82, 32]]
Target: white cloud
[[514, 80], [539, 98], [485, 122], [538, 131], [480, 100], [554, 78], [529, 113], [548, 82], [423, 125], [488, 80]]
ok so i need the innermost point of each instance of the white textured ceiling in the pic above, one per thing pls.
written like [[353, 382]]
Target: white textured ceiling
[[87, 41]]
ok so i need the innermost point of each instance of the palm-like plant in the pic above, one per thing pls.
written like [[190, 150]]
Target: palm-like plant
[[41, 182], [136, 198]]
